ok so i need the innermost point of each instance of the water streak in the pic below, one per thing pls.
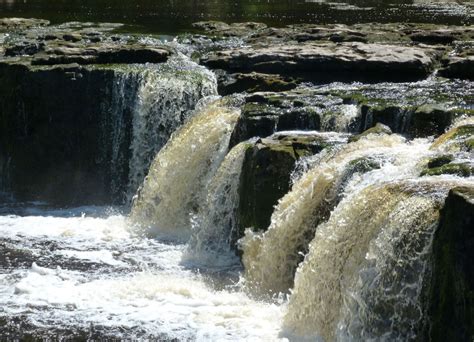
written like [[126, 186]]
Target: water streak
[[271, 258], [364, 271], [213, 227], [148, 103], [176, 184]]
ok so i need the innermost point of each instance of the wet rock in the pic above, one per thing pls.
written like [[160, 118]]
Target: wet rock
[[433, 37], [103, 55], [377, 129], [24, 49], [345, 61], [428, 120], [265, 176], [229, 30], [262, 119], [255, 82], [440, 161], [9, 24], [458, 169], [462, 68], [451, 291], [51, 133], [72, 37], [457, 139], [411, 121]]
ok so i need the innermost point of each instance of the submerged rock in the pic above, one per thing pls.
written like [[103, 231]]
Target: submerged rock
[[451, 295]]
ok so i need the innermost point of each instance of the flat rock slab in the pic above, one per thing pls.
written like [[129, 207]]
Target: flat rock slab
[[344, 61], [104, 55], [7, 24]]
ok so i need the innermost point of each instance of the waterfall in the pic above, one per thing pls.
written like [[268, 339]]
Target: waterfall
[[148, 103], [271, 258], [216, 221], [176, 184], [341, 121], [362, 278]]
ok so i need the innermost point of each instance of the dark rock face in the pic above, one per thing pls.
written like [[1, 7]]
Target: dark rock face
[[345, 61], [451, 299], [411, 121], [462, 68], [265, 176], [51, 133], [56, 128]]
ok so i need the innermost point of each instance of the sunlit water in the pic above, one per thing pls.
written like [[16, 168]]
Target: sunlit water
[[69, 271]]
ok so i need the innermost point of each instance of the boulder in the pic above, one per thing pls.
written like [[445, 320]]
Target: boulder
[[459, 67], [458, 169], [377, 129], [451, 290], [266, 173], [457, 139], [345, 61]]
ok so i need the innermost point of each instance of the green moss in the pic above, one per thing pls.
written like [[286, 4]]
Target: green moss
[[440, 161], [460, 169], [460, 137], [377, 129]]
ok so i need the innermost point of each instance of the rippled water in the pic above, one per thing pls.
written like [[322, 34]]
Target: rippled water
[[171, 16], [68, 273]]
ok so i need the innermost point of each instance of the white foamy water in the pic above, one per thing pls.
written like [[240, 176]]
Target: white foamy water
[[91, 274]]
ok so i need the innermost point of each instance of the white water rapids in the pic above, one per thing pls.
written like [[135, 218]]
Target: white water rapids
[[90, 273]]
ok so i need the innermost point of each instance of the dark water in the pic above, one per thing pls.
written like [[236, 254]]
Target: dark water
[[177, 15]]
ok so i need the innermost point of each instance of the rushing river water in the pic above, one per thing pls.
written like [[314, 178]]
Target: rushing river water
[[82, 272], [346, 253]]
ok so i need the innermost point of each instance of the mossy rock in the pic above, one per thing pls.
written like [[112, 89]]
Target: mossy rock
[[440, 161], [377, 129], [450, 299], [459, 169], [429, 120], [255, 82], [265, 176], [460, 138]]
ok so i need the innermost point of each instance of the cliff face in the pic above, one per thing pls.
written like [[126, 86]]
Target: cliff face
[[51, 132]]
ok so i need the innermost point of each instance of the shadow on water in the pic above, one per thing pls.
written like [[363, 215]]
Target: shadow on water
[[172, 16]]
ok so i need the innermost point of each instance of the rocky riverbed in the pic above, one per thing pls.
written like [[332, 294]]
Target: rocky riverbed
[[88, 110]]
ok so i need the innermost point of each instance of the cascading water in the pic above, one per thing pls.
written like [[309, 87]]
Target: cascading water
[[342, 121], [154, 100], [362, 278], [210, 242], [271, 258], [176, 183]]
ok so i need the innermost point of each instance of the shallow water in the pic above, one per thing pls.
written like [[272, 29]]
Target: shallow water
[[171, 16], [65, 273]]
